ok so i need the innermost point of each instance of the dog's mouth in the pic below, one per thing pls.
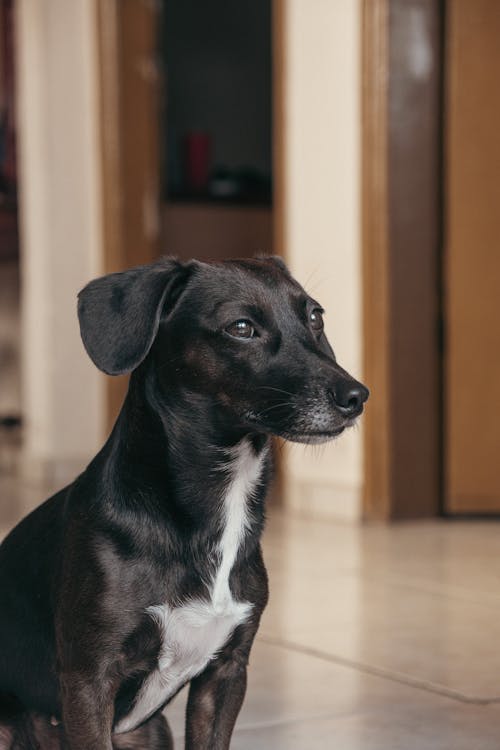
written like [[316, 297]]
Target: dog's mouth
[[299, 434]]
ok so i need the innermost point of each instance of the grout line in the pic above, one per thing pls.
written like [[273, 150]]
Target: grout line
[[414, 682]]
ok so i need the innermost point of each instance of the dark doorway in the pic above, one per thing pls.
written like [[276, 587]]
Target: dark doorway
[[216, 128]]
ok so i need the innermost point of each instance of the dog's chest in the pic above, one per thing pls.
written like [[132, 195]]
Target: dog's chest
[[192, 634]]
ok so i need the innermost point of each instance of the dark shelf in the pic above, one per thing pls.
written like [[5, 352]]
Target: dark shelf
[[250, 200]]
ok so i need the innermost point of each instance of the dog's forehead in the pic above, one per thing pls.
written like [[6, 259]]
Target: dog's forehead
[[247, 281]]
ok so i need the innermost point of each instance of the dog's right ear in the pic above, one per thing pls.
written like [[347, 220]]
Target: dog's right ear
[[120, 313]]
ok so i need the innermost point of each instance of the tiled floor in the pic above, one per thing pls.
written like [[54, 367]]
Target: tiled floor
[[375, 638]]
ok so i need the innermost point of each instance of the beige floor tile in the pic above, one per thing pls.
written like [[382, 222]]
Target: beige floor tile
[[295, 701], [400, 599], [381, 731]]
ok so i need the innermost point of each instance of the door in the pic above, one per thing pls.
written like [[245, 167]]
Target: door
[[472, 258]]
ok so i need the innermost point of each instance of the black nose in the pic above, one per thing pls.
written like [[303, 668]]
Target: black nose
[[349, 397]]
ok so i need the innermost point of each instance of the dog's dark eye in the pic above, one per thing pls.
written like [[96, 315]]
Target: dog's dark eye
[[316, 319], [241, 329]]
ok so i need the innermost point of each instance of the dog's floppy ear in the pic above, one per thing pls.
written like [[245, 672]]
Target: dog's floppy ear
[[120, 313]]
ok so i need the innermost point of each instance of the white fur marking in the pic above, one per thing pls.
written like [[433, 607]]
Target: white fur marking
[[246, 473], [196, 631]]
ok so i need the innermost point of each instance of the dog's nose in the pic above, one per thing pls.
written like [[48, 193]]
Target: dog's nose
[[349, 397]]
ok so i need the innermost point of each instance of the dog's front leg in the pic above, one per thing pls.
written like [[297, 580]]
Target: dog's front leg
[[87, 711], [214, 702]]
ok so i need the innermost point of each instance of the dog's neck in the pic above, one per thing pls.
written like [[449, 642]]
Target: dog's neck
[[182, 444]]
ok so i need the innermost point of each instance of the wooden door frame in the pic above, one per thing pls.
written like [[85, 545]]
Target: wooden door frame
[[401, 254], [125, 29]]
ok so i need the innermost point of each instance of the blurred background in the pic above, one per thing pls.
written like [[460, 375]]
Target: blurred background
[[359, 139]]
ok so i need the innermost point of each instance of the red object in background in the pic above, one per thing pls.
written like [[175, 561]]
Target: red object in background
[[197, 156]]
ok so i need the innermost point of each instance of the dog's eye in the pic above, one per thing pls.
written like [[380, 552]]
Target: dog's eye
[[241, 329], [316, 319]]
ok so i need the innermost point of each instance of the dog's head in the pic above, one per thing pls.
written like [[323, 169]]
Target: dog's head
[[242, 334]]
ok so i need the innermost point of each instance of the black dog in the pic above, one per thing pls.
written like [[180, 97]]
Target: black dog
[[146, 573]]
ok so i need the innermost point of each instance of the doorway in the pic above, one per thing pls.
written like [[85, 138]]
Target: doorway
[[431, 159], [216, 128]]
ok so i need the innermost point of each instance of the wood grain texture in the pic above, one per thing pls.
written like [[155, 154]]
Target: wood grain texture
[[472, 269], [401, 255], [415, 218], [129, 113], [279, 125], [375, 258]]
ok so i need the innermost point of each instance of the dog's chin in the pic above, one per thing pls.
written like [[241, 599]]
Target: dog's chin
[[300, 434], [313, 438]]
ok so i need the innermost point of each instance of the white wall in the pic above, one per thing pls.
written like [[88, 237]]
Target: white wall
[[63, 395], [322, 214]]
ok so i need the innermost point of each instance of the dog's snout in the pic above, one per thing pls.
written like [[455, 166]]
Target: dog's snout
[[349, 397]]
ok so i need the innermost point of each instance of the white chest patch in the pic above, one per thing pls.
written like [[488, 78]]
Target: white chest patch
[[193, 633]]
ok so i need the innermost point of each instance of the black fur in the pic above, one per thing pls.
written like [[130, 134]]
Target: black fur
[[137, 527]]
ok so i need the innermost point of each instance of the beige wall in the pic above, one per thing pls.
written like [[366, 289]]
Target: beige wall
[[60, 229], [322, 214]]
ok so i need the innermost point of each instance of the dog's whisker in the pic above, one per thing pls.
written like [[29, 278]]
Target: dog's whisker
[[272, 388], [274, 406]]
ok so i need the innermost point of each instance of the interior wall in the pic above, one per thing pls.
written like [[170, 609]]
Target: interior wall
[[321, 207], [63, 394]]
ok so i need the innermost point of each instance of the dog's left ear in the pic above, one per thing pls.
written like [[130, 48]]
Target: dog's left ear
[[120, 313]]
